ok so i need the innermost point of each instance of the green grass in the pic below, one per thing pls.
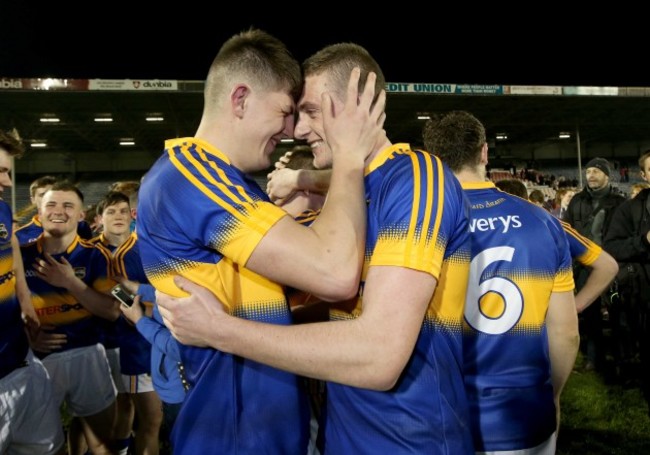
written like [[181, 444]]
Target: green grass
[[600, 418]]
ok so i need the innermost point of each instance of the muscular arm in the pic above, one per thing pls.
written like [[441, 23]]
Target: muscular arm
[[563, 338], [369, 351], [603, 271], [284, 182]]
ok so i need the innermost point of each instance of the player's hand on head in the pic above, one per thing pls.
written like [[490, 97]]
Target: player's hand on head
[[354, 128]]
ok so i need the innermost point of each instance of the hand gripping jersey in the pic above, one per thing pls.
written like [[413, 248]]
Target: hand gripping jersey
[[13, 341], [135, 350], [200, 217], [417, 218], [520, 255], [56, 305]]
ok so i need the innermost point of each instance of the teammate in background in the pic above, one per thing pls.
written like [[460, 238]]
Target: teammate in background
[[393, 357], [68, 279], [133, 351], [30, 231], [29, 415], [200, 216], [602, 265], [520, 324]]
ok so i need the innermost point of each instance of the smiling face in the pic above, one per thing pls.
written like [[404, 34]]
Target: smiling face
[[117, 218], [310, 120], [269, 118], [61, 212]]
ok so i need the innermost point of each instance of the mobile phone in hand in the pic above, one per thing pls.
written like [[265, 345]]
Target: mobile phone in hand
[[125, 297]]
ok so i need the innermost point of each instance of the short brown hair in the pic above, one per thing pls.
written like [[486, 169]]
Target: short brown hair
[[301, 158], [11, 143], [514, 187], [457, 138], [65, 185], [338, 61], [111, 198], [257, 57]]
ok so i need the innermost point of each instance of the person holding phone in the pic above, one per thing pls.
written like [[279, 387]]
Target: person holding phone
[[134, 369]]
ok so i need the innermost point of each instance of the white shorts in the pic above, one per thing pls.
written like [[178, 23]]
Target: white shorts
[[81, 377], [140, 383], [29, 416], [113, 356], [545, 448]]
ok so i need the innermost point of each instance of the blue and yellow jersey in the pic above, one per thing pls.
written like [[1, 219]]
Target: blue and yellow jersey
[[30, 231], [135, 350], [13, 341], [57, 306], [582, 249], [520, 255], [200, 217], [417, 219]]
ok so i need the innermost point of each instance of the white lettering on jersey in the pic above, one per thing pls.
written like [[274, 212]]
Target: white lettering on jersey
[[494, 223]]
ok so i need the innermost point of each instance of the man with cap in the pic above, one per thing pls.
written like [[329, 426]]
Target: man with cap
[[590, 213]]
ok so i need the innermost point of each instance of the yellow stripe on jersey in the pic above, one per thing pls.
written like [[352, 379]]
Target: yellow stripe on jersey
[[564, 281], [240, 290], [446, 306], [414, 248], [592, 249], [261, 228]]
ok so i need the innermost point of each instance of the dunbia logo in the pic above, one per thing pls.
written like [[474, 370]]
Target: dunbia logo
[[152, 84]]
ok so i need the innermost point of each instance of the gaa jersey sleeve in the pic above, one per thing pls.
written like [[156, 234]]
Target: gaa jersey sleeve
[[564, 277], [582, 249], [226, 216], [409, 228]]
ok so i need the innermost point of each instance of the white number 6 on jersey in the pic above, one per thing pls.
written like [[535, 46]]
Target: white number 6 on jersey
[[509, 292]]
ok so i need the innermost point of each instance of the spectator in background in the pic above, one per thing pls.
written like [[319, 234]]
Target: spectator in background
[[563, 197], [590, 212], [514, 187], [628, 238], [537, 198], [637, 188]]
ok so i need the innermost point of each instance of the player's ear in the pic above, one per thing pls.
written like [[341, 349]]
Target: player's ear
[[239, 98]]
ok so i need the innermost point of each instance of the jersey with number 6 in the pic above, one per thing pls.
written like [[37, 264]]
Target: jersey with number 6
[[520, 255]]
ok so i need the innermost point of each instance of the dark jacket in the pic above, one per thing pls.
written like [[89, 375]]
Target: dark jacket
[[590, 212], [627, 241]]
